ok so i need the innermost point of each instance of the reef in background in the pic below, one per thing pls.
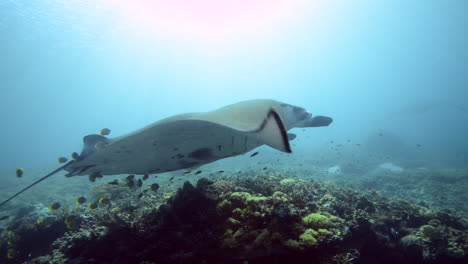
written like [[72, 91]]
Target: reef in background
[[263, 219]]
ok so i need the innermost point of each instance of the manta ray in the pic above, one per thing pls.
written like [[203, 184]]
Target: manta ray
[[191, 140]]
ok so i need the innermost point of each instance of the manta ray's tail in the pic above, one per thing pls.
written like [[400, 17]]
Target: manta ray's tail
[[34, 183]]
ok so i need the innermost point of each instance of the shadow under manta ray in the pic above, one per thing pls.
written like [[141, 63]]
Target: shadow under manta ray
[[192, 139]]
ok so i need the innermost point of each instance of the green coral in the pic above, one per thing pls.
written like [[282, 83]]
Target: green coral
[[287, 181], [292, 244], [316, 220], [324, 232], [454, 250], [280, 196], [430, 232], [308, 237], [224, 208], [257, 199], [240, 195]]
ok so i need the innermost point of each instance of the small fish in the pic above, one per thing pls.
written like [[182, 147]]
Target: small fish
[[130, 177], [104, 201], [358, 145], [114, 182], [380, 134], [93, 205], [98, 175], [418, 145], [198, 172], [221, 171], [92, 178], [145, 177], [154, 187], [331, 142], [80, 200], [139, 183], [187, 172], [19, 172], [55, 206], [130, 183], [171, 178], [75, 156], [62, 160], [4, 217], [140, 195], [104, 132], [264, 168], [254, 154]]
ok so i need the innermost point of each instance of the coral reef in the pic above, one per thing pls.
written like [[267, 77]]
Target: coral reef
[[266, 218]]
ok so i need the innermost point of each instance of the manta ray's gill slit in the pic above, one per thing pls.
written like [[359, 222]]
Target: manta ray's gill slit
[[245, 143]]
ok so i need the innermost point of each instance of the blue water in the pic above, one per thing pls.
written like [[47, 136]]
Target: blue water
[[70, 68], [393, 75]]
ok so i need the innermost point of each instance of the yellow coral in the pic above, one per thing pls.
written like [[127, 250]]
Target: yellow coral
[[224, 207], [316, 220], [280, 196], [308, 237], [240, 195], [287, 181], [292, 244]]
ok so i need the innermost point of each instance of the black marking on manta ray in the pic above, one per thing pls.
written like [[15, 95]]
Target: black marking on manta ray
[[284, 133], [202, 154]]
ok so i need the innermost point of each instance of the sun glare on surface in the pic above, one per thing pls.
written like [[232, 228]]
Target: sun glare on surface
[[206, 19]]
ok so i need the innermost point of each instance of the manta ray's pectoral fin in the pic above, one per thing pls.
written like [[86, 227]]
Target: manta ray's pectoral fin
[[272, 132]]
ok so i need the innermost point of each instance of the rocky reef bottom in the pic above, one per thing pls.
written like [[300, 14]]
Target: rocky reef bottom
[[263, 219]]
